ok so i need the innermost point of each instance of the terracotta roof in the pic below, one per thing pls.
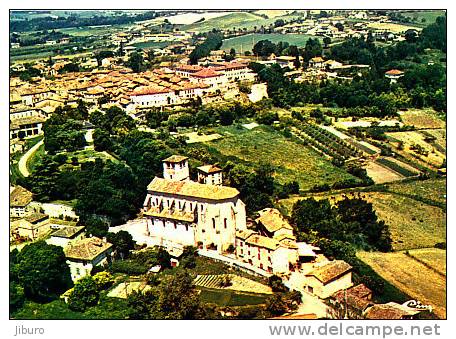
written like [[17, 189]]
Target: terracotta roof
[[208, 169], [17, 123], [206, 73], [272, 220], [281, 237], [150, 90], [86, 249], [68, 232], [361, 291], [174, 214], [330, 271], [244, 234], [189, 68], [20, 197], [261, 241], [175, 158], [192, 189], [36, 217], [95, 91], [356, 297], [394, 72], [317, 59], [389, 311]]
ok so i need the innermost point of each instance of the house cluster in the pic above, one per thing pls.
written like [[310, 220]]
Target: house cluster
[[180, 212], [32, 220], [319, 69], [168, 86]]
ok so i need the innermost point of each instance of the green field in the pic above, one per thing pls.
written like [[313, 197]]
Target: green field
[[230, 298], [291, 161], [429, 16], [237, 20], [432, 191], [246, 42]]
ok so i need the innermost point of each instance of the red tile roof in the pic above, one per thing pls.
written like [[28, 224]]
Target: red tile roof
[[150, 90], [206, 73], [394, 72]]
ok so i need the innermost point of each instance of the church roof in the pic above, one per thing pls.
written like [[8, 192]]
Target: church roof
[[192, 189]]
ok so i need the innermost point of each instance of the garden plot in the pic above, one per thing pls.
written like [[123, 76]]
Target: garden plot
[[422, 118], [126, 288], [238, 283], [381, 174], [415, 144], [194, 137]]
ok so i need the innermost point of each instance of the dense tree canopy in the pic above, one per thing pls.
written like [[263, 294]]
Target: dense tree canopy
[[42, 270]]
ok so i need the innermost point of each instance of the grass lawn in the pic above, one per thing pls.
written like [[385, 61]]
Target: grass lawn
[[291, 161], [410, 276], [246, 42], [231, 298]]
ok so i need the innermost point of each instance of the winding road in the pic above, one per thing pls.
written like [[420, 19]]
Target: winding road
[[23, 160]]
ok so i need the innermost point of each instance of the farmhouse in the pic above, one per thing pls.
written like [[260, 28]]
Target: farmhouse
[[394, 75], [329, 278], [271, 223], [29, 127], [83, 255], [64, 235], [268, 254], [31, 227], [185, 212], [20, 200]]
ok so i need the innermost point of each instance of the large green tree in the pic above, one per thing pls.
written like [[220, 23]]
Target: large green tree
[[42, 270]]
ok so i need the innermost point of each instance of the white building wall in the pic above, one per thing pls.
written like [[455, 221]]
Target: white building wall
[[216, 223], [325, 291]]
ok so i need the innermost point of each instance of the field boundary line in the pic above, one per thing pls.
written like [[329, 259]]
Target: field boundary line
[[407, 253]]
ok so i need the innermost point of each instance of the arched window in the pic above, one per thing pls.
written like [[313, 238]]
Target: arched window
[[224, 222], [213, 223]]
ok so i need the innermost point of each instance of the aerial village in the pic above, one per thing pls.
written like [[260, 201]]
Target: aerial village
[[190, 208]]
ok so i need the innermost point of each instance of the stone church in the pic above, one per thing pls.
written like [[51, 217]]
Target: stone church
[[183, 212]]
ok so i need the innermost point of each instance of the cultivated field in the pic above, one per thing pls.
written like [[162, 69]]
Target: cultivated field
[[235, 20], [422, 118], [412, 223], [432, 190], [292, 161], [411, 276], [246, 42], [381, 174], [395, 28], [415, 144]]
